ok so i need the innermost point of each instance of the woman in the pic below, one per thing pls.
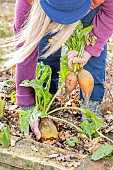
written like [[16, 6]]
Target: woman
[[54, 17]]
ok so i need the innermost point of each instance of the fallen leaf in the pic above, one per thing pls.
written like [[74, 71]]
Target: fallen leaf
[[53, 155], [64, 135], [13, 140], [49, 141], [70, 164], [74, 104], [66, 157]]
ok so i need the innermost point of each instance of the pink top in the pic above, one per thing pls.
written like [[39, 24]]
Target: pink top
[[103, 29]]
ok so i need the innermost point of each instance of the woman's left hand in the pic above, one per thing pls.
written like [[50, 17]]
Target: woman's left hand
[[73, 59], [35, 129], [30, 1]]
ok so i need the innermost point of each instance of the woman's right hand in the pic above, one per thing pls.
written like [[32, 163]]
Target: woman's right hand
[[73, 59]]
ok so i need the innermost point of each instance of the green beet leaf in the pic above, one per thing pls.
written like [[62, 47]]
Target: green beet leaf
[[5, 135], [76, 41], [27, 116], [64, 70], [87, 127], [1, 107], [102, 152], [97, 121]]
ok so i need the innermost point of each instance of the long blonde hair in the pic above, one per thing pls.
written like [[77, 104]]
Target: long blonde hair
[[35, 27]]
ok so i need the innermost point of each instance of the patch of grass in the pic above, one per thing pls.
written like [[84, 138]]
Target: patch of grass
[[5, 30], [6, 25], [9, 1]]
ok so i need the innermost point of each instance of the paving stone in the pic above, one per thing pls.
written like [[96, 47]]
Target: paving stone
[[30, 155]]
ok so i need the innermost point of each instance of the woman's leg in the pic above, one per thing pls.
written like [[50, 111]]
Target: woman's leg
[[96, 65], [53, 61]]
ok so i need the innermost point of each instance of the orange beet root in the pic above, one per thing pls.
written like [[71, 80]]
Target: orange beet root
[[86, 82], [71, 82]]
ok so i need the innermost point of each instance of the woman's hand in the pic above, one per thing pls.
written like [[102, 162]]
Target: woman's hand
[[30, 1], [35, 129], [73, 59]]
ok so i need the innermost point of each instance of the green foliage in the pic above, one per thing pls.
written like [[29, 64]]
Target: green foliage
[[6, 83], [75, 42], [64, 70], [24, 121], [86, 126], [1, 107], [29, 116], [102, 152], [5, 135], [91, 116], [41, 86], [5, 30], [13, 96], [43, 97], [91, 124], [2, 85], [71, 141], [1, 1]]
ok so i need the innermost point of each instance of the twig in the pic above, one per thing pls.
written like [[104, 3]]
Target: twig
[[53, 99], [55, 118], [104, 136], [94, 144]]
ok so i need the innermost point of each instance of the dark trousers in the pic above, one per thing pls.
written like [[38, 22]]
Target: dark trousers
[[96, 66], [53, 61]]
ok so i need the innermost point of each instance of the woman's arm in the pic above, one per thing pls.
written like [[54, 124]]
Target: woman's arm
[[103, 27], [26, 69]]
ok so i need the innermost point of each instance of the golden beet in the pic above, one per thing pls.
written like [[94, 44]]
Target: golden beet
[[48, 129], [86, 82], [71, 82]]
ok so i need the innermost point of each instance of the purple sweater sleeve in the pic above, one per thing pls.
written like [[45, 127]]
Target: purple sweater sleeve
[[26, 69], [103, 28]]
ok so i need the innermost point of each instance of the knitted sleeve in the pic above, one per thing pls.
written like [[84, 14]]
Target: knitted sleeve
[[103, 27], [26, 69]]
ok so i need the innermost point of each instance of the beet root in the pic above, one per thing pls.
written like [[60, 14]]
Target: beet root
[[71, 82]]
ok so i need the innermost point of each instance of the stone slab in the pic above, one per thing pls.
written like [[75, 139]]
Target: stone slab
[[31, 155]]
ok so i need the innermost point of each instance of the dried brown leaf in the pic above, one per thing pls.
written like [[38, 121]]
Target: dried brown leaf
[[66, 157], [70, 164]]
